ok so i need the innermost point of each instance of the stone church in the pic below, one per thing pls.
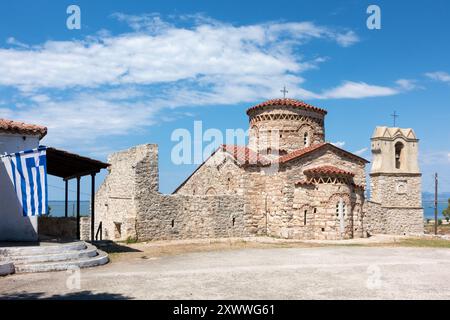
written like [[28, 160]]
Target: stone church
[[287, 182]]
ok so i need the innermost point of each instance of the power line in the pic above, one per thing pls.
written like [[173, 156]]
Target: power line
[[73, 191]]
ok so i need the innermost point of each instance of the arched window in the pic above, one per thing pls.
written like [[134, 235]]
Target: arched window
[[306, 139], [304, 217], [211, 192], [398, 155], [229, 182]]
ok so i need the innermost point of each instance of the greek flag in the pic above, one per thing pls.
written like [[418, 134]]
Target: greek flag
[[28, 173]]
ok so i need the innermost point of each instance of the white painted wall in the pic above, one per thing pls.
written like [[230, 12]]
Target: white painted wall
[[13, 225]]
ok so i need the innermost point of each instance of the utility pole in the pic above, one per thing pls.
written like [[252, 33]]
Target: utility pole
[[435, 203]]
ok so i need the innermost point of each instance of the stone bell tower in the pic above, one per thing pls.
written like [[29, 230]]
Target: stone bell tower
[[396, 180]]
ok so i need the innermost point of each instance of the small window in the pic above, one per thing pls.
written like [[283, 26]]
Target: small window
[[306, 139], [398, 155], [173, 223], [304, 217], [234, 221]]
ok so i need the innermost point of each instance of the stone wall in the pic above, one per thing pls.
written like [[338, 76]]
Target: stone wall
[[57, 227], [397, 204], [164, 217], [129, 205], [133, 174]]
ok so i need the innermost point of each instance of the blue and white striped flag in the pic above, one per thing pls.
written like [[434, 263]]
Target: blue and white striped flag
[[28, 173]]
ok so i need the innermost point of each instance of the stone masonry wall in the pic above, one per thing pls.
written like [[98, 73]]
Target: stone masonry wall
[[165, 217], [132, 172], [396, 206], [129, 205]]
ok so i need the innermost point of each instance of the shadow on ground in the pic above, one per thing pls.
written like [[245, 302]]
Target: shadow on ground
[[81, 295], [113, 247]]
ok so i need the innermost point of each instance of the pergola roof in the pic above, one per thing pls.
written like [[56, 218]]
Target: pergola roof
[[68, 165]]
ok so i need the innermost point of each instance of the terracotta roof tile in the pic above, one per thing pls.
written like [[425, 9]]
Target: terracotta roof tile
[[287, 102], [304, 183], [22, 128], [329, 170], [244, 155], [300, 152]]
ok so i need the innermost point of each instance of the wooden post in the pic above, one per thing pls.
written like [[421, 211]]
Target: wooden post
[[78, 208], [66, 202], [92, 207], [435, 203]]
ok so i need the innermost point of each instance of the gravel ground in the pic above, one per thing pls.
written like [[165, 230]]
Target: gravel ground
[[304, 272]]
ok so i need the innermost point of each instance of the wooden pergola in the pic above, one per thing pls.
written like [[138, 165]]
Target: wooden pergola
[[69, 166]]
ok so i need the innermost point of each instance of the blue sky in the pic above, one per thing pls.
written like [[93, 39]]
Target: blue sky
[[138, 70]]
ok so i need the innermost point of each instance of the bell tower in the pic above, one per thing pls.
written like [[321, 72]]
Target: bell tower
[[396, 179]]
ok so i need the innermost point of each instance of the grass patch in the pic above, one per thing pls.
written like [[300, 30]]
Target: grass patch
[[425, 243]]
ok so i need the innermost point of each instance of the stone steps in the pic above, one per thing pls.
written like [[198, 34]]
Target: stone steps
[[55, 257]]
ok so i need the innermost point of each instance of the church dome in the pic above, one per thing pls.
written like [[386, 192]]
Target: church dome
[[286, 102], [285, 125]]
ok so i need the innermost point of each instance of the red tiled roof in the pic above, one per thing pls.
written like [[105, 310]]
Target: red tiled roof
[[300, 152], [244, 155], [328, 170], [304, 183], [358, 186], [287, 102], [22, 128]]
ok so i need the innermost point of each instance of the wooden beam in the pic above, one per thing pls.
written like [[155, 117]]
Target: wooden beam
[[66, 199], [78, 208], [92, 207]]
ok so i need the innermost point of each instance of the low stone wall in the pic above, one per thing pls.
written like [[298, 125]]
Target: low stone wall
[[85, 228], [164, 217], [59, 227]]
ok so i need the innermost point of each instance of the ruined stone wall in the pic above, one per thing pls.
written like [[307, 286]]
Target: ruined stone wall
[[165, 217], [129, 205], [133, 173]]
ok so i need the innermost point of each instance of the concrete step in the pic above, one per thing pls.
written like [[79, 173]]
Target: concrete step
[[41, 250], [89, 251], [6, 267], [84, 262], [50, 257]]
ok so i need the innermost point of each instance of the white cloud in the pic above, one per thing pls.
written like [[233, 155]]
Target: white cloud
[[106, 85], [358, 90], [159, 52], [339, 144], [439, 76], [407, 84], [360, 152], [434, 157], [84, 118]]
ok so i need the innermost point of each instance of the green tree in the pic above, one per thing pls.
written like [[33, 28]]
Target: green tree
[[446, 212]]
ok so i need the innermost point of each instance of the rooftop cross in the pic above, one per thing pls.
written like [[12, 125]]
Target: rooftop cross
[[284, 91], [395, 116]]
